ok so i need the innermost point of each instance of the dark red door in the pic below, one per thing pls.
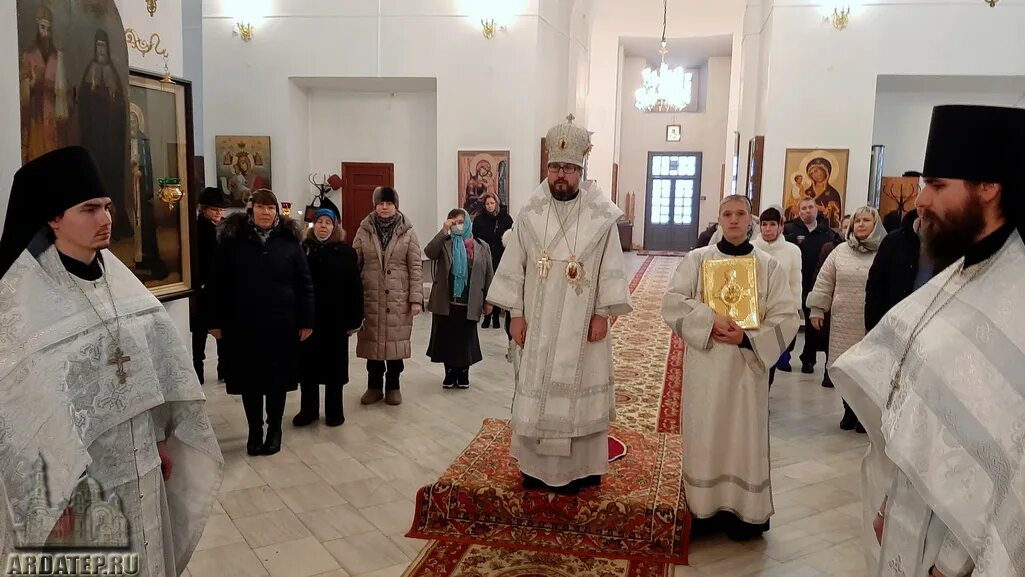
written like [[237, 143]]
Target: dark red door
[[359, 179]]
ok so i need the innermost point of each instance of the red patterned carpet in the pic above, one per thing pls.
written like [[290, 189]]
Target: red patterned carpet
[[635, 524], [638, 513], [441, 559]]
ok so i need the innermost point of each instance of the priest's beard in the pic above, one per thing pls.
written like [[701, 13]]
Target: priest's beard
[[949, 237], [562, 191]]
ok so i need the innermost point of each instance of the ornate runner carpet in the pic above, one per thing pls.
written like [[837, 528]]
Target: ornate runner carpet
[[647, 353], [635, 523], [638, 513], [441, 559]]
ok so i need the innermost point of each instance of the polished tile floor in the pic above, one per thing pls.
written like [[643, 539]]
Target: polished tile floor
[[337, 501]]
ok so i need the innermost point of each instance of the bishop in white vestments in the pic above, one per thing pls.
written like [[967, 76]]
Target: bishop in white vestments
[[105, 443], [939, 383], [562, 278], [726, 382]]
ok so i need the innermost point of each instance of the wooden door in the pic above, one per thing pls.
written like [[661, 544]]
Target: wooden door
[[359, 179]]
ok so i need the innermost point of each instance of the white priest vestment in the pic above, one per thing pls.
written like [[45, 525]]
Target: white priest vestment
[[565, 399], [73, 435], [726, 390], [948, 442]]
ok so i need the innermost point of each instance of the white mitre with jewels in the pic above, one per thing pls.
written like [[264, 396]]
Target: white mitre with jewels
[[568, 143]]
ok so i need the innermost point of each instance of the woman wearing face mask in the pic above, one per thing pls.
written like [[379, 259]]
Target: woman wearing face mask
[[393, 293], [338, 292], [840, 290], [488, 227], [463, 273]]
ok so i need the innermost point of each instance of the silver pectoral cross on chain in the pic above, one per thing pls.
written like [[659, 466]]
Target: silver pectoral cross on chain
[[120, 359]]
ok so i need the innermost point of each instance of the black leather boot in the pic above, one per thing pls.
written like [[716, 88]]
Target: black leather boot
[[850, 420], [254, 446], [334, 412], [309, 406], [273, 443]]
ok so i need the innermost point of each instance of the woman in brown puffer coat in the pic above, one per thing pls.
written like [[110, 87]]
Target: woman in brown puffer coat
[[393, 293]]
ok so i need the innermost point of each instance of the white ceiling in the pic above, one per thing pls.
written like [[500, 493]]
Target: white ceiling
[[371, 85], [686, 52], [952, 84]]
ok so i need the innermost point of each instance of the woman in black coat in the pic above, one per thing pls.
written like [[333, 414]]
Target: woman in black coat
[[264, 309], [338, 289], [488, 227]]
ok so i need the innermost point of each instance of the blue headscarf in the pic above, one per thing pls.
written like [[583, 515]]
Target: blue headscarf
[[460, 265]]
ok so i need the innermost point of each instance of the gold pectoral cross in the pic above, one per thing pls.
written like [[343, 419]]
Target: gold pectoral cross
[[544, 265], [119, 359]]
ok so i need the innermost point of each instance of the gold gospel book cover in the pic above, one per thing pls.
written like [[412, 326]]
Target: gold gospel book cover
[[731, 289]]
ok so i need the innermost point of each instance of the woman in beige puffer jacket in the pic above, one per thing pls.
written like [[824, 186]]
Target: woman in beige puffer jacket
[[392, 271]]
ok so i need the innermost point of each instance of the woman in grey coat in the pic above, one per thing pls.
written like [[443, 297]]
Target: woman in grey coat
[[462, 276]]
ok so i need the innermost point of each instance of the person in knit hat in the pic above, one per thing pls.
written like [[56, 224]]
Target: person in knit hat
[[562, 277], [393, 294], [263, 310], [462, 276], [338, 312]]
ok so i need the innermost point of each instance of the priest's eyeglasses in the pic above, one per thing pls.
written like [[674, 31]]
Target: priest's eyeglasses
[[555, 168]]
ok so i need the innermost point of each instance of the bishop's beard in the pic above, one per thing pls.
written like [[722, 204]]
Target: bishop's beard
[[565, 192], [946, 239]]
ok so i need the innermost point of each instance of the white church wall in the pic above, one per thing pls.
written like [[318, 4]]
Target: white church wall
[[902, 122], [382, 127], [702, 132], [489, 92], [822, 89]]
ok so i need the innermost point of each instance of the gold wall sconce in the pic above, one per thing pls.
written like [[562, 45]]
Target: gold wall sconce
[[244, 30], [151, 6], [841, 17], [488, 27]]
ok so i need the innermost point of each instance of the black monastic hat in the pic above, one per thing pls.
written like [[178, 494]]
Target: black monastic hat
[[976, 143], [980, 144], [43, 189]]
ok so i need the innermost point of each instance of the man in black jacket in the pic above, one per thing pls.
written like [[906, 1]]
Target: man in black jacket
[[899, 269], [211, 208], [810, 232]]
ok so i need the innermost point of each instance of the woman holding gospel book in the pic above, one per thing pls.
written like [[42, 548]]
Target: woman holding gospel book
[[735, 330]]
